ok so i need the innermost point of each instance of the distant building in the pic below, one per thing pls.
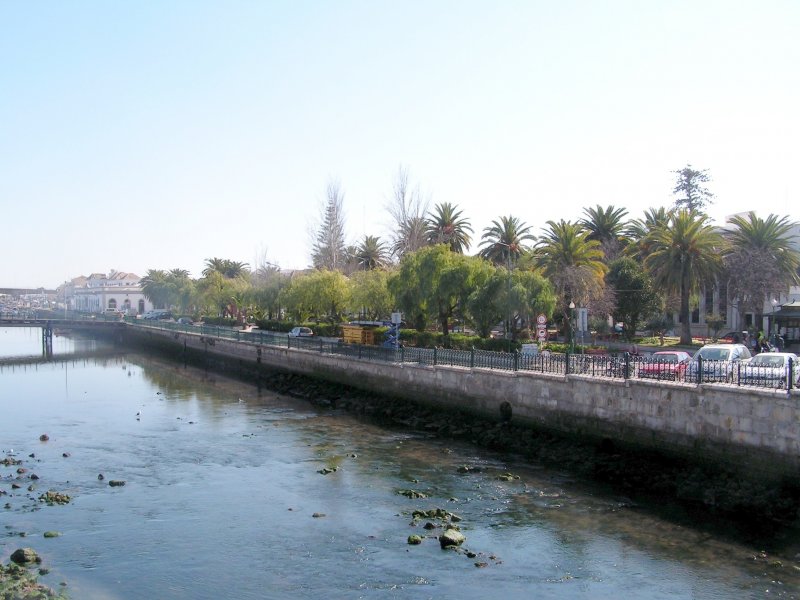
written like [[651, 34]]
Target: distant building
[[99, 292]]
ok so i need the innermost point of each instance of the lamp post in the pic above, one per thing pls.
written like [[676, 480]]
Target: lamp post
[[571, 330], [508, 293], [772, 318]]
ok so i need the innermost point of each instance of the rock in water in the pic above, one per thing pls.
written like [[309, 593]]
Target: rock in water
[[116, 483], [23, 556], [451, 537]]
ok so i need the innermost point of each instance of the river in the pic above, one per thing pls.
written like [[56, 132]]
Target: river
[[224, 498]]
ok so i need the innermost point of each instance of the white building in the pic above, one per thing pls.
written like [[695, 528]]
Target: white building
[[99, 292]]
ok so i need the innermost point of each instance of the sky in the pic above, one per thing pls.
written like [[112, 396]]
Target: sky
[[156, 135]]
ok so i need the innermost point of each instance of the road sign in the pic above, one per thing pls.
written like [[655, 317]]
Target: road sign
[[541, 334], [541, 320]]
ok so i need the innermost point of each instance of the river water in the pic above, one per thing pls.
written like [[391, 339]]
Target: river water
[[223, 498]]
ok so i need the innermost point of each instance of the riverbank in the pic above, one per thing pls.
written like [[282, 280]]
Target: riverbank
[[689, 489]]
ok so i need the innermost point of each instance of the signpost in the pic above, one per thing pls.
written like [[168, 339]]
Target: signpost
[[541, 328]]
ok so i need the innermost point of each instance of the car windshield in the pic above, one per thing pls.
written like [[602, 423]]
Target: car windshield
[[714, 353], [666, 357], [765, 360]]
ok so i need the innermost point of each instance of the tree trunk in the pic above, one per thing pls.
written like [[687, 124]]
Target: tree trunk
[[443, 320], [685, 317]]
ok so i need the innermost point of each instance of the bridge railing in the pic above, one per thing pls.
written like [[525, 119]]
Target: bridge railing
[[620, 366]]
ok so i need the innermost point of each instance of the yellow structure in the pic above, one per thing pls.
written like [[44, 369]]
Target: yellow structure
[[358, 334]]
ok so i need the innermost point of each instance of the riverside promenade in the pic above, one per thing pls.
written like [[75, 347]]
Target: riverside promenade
[[755, 431]]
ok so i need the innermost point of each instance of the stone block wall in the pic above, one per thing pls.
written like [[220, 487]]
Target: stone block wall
[[743, 427]]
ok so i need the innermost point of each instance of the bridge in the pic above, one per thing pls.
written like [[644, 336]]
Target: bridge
[[49, 325]]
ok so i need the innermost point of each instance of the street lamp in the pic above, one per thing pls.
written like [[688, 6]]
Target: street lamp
[[508, 296], [571, 330]]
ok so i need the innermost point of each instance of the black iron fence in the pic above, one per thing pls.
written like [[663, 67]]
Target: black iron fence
[[619, 366]]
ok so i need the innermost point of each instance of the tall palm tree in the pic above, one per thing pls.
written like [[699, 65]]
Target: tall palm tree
[[762, 261], [637, 231], [446, 226], [606, 225], [573, 263], [684, 255], [503, 241], [371, 253]]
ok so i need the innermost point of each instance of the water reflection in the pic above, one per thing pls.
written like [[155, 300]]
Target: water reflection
[[223, 482]]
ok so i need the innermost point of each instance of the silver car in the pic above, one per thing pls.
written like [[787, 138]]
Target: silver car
[[719, 362], [771, 369]]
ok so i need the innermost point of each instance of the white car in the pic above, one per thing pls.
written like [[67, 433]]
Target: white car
[[301, 332], [719, 362], [771, 369]]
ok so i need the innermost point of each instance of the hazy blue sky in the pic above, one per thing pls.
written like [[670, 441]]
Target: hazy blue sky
[[137, 135]]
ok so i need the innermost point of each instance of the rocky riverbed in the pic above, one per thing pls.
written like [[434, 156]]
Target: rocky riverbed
[[697, 490]]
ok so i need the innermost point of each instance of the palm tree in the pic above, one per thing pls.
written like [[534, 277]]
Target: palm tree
[[637, 231], [684, 255], [155, 287], [762, 260], [412, 235], [445, 226], [229, 269], [371, 253], [573, 263], [606, 225], [504, 240]]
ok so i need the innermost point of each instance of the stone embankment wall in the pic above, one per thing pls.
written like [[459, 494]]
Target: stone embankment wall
[[755, 430]]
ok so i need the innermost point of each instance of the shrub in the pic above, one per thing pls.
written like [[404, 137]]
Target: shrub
[[219, 321]]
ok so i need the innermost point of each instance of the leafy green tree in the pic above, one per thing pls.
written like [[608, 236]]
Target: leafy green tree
[[369, 294], [607, 226], [685, 255], [321, 294], [181, 289], [635, 296], [488, 303], [446, 226], [267, 285], [531, 294], [504, 240], [433, 283], [689, 191], [216, 291], [762, 261]]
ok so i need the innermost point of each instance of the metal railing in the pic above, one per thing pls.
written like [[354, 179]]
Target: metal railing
[[609, 366]]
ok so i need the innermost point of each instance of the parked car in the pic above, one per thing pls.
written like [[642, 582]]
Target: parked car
[[771, 369], [301, 332], [667, 364], [719, 361], [184, 321]]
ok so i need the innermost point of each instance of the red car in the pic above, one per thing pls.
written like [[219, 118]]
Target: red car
[[668, 364]]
